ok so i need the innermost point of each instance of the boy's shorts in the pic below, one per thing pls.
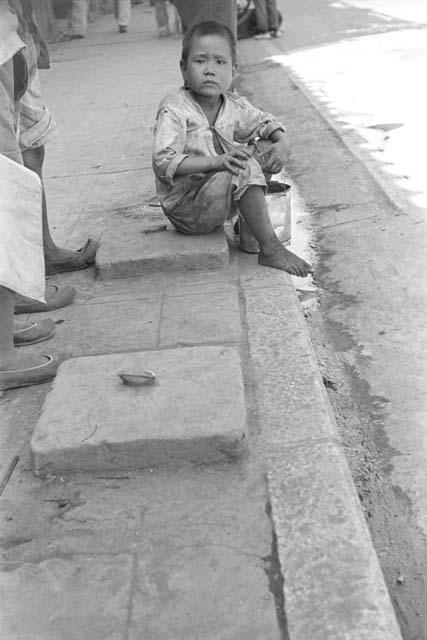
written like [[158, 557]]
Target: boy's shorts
[[36, 125]]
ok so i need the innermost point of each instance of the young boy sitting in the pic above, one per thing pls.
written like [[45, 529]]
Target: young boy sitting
[[202, 158]]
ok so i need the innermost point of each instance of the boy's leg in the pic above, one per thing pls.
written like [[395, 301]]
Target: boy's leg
[[205, 207], [253, 207]]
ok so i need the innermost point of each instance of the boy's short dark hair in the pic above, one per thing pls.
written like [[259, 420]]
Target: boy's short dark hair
[[208, 28]]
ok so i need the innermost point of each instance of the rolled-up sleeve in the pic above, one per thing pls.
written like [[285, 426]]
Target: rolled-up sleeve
[[252, 122], [169, 142]]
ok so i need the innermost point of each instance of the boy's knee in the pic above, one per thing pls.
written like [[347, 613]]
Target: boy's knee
[[33, 159]]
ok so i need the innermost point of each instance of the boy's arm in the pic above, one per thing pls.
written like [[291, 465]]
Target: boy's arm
[[251, 122], [169, 142], [231, 161], [278, 152], [169, 159]]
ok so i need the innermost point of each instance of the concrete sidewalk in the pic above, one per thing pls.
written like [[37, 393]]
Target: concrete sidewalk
[[267, 542]]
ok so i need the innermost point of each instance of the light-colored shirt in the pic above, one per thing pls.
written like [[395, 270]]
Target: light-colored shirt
[[182, 129], [10, 42]]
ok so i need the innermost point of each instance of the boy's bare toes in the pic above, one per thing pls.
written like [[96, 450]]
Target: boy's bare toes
[[282, 258], [304, 269]]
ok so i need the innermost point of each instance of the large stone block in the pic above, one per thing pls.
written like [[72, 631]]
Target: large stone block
[[130, 251], [194, 413]]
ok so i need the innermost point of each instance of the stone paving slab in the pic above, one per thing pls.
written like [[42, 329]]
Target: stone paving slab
[[213, 316], [109, 327], [215, 608], [194, 413], [66, 598]]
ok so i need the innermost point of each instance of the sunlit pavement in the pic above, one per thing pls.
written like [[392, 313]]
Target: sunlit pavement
[[375, 85]]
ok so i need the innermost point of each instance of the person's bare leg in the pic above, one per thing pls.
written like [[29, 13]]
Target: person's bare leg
[[11, 358], [253, 207], [54, 255]]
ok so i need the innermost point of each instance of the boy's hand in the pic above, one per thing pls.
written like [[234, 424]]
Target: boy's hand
[[232, 161], [276, 157]]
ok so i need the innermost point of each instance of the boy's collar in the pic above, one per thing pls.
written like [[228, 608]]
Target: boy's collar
[[187, 90]]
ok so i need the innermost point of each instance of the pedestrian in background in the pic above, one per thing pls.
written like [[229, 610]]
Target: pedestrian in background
[[194, 11], [21, 249], [267, 19], [122, 12], [36, 129], [163, 18], [80, 12], [78, 18]]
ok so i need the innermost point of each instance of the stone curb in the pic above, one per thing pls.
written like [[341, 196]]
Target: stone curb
[[333, 584]]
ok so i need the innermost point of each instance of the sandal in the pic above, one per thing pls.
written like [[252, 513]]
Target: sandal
[[32, 375], [35, 332], [61, 297], [81, 259]]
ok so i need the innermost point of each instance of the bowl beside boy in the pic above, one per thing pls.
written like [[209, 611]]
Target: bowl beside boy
[[202, 158]]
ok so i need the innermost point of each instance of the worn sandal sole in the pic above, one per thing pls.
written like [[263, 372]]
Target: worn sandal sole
[[36, 332], [85, 258], [30, 376], [62, 297]]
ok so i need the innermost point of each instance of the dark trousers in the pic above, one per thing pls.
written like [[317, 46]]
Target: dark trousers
[[193, 11], [267, 16]]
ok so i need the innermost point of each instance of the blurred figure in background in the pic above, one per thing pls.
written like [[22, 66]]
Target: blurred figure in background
[[78, 18], [193, 11], [163, 18], [80, 12], [122, 12], [267, 19]]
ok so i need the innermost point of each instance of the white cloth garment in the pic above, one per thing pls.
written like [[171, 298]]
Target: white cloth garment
[[124, 9], [22, 266], [79, 11]]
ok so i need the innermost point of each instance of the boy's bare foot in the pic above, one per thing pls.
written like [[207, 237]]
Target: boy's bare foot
[[281, 258]]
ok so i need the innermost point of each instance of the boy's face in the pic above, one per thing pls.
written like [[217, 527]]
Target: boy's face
[[209, 69]]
